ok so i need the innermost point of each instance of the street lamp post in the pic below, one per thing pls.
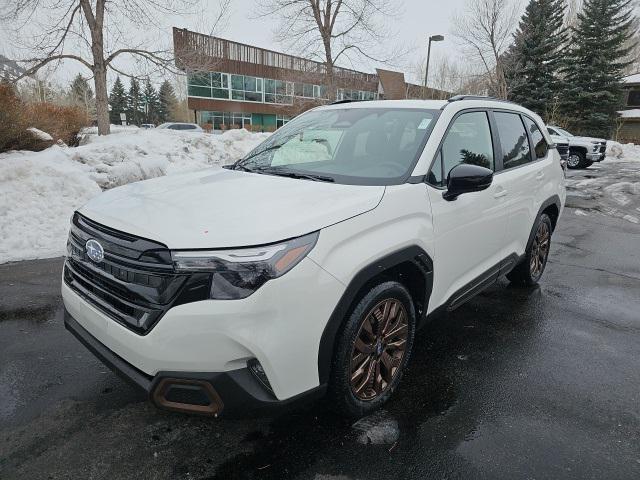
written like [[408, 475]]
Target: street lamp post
[[432, 38]]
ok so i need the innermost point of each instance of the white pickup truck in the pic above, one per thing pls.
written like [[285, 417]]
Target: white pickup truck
[[583, 151]]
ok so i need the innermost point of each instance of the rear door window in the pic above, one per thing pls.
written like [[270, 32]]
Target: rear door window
[[514, 140]]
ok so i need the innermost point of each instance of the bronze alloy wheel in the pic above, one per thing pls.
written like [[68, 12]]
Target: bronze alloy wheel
[[540, 250], [379, 349]]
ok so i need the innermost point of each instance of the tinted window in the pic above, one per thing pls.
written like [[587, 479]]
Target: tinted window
[[540, 145], [552, 131], [513, 137], [174, 127], [188, 127], [468, 141]]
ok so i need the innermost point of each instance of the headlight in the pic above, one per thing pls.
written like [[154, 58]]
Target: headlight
[[237, 273]]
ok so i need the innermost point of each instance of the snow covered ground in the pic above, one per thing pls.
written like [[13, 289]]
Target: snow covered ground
[[39, 191], [610, 188]]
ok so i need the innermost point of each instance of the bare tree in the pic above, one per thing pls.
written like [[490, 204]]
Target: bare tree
[[485, 29], [333, 31], [95, 33]]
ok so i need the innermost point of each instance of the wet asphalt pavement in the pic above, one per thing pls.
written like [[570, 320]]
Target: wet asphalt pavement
[[518, 383]]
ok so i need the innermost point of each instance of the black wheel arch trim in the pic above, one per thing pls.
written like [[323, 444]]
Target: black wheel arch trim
[[554, 200], [413, 254]]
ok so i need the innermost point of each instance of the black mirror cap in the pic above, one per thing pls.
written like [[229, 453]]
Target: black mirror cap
[[466, 178]]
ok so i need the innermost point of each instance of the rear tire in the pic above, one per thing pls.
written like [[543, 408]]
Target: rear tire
[[529, 271], [372, 350]]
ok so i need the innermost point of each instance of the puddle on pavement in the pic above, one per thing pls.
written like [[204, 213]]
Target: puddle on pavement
[[35, 313]]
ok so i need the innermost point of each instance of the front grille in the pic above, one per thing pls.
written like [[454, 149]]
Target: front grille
[[135, 284], [563, 150]]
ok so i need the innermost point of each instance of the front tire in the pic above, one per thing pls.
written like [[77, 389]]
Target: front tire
[[372, 350], [530, 270], [577, 160]]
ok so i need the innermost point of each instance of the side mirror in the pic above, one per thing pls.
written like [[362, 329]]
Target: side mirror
[[466, 178]]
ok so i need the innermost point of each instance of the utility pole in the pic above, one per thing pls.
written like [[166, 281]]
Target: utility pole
[[432, 38]]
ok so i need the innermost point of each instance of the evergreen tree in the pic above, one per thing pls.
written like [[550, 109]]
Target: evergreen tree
[[135, 105], [81, 94], [598, 57], [151, 103], [117, 101], [167, 101], [536, 56]]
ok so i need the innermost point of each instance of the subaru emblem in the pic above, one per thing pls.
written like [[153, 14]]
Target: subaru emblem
[[95, 252]]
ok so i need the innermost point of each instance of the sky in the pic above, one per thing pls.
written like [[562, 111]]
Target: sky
[[417, 20]]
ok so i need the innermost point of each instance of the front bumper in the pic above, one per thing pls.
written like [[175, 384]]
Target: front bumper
[[280, 326], [596, 157], [206, 393]]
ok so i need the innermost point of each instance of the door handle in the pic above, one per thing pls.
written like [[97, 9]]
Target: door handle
[[540, 176], [500, 194]]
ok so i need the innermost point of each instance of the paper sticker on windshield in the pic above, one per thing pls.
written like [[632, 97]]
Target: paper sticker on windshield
[[424, 124]]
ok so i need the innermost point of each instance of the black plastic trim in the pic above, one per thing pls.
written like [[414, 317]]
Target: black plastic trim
[[553, 200], [413, 254]]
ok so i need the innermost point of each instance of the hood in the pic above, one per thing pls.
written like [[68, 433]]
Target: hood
[[219, 208], [559, 140], [589, 139]]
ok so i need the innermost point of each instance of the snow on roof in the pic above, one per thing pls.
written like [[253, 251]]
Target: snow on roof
[[635, 78], [635, 113]]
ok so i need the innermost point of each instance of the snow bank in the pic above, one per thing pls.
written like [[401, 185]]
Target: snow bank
[[624, 153], [39, 191]]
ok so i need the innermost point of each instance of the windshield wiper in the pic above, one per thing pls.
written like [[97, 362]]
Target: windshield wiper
[[292, 174], [240, 163]]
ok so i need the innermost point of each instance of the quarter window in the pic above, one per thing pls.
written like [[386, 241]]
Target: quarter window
[[468, 141], [514, 140], [540, 146]]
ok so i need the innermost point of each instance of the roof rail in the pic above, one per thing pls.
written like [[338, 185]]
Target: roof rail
[[457, 98], [346, 100]]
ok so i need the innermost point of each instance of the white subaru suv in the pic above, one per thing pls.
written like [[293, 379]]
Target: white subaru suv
[[306, 268]]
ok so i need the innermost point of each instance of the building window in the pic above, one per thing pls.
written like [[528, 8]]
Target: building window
[[245, 88], [348, 94], [634, 98], [306, 90], [226, 120], [208, 85], [278, 91], [241, 120], [281, 120]]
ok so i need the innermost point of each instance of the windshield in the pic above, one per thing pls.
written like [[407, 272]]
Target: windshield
[[564, 132], [362, 146]]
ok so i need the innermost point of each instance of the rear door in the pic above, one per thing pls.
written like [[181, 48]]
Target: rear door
[[469, 231], [525, 155]]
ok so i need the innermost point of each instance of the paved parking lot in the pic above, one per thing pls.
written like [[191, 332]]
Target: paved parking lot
[[534, 383]]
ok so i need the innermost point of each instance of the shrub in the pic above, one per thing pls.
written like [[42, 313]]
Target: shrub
[[13, 124], [61, 122]]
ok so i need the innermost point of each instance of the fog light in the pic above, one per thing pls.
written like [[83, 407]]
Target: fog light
[[256, 369]]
